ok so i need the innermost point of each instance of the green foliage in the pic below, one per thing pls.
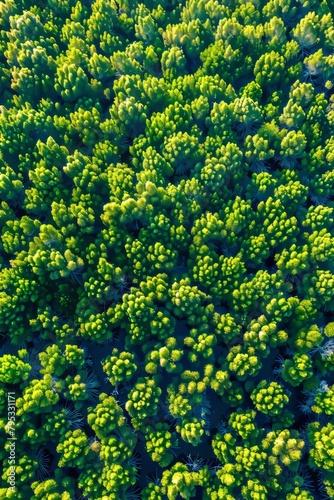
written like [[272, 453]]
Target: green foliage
[[118, 449], [52, 361], [321, 445], [179, 481], [329, 329], [243, 424], [167, 232], [243, 364], [117, 478], [254, 489], [73, 449], [269, 398], [50, 487], [167, 357], [12, 369], [298, 369], [39, 396], [143, 401], [191, 430], [119, 367], [158, 443], [106, 416], [324, 400], [286, 448]]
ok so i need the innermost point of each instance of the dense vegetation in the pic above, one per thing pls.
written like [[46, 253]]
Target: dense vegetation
[[167, 248]]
